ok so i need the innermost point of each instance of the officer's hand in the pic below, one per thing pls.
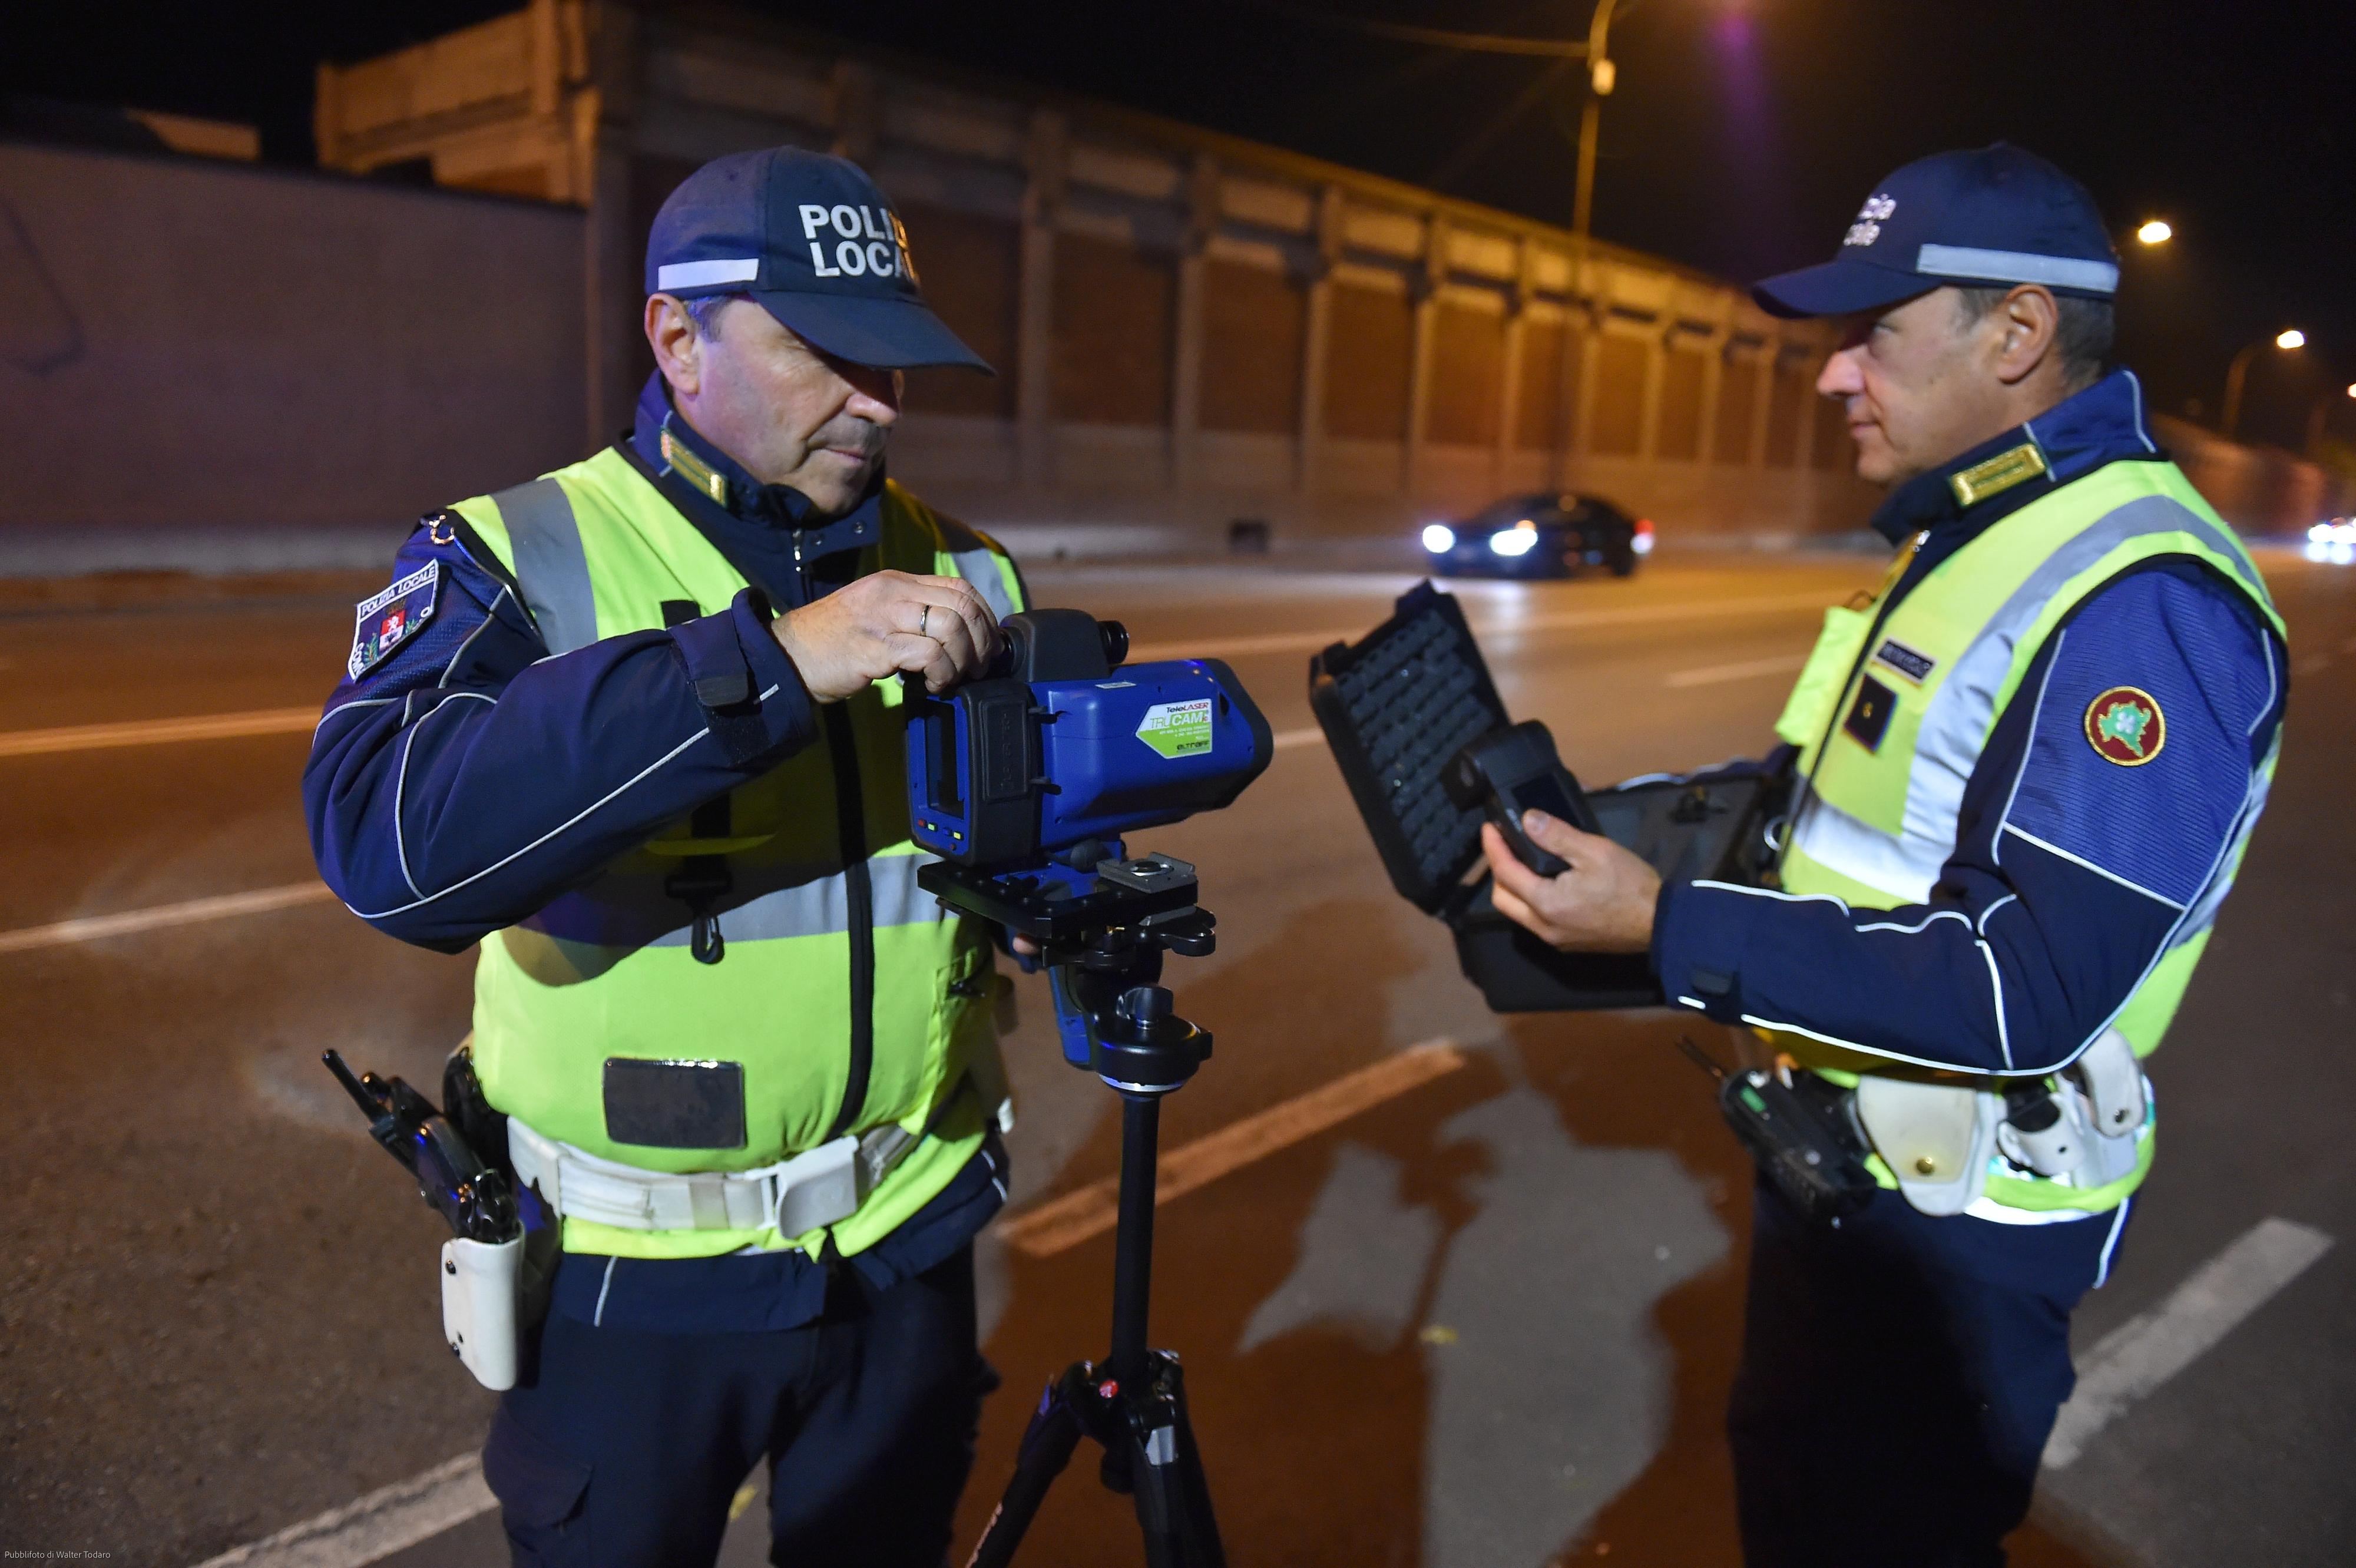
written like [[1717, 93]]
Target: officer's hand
[[1602, 903], [884, 623]]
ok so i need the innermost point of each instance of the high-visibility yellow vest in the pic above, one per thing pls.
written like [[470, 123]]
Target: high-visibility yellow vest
[[598, 550], [1875, 825]]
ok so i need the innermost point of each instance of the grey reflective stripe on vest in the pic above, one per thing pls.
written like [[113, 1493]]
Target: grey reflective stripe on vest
[[1956, 723], [549, 563], [822, 906], [980, 567]]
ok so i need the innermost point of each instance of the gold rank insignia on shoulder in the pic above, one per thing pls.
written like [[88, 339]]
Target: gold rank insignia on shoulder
[[693, 468], [1997, 475]]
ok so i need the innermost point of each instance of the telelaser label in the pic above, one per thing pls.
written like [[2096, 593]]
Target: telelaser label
[[1177, 729]]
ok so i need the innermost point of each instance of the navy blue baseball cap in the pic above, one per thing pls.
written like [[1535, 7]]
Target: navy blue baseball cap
[[814, 240], [1989, 217]]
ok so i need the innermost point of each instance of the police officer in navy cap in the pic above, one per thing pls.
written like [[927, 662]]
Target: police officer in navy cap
[[2023, 773], [630, 731]]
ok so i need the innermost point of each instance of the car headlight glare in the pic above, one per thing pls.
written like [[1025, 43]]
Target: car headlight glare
[[1438, 538], [1512, 542]]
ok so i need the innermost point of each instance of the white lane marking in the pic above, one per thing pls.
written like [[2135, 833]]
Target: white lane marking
[[377, 1525], [155, 732], [2145, 1352], [1287, 739], [91, 928], [1712, 675], [1076, 1216], [1555, 621]]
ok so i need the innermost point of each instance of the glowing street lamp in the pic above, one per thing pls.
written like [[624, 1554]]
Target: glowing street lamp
[[2286, 341], [2155, 233], [1602, 75]]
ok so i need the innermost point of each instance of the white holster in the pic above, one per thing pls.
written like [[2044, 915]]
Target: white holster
[[481, 1282], [1937, 1138], [2102, 1101]]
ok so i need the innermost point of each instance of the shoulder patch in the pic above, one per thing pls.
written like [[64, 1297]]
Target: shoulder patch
[[2125, 726], [391, 618]]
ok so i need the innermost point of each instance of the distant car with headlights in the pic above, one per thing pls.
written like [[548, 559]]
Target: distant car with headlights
[[1543, 535], [2333, 540]]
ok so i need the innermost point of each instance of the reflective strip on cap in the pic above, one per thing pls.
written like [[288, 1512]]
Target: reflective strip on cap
[[703, 274], [2017, 266]]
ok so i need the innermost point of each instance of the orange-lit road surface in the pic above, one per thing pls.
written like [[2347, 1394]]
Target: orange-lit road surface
[[1471, 1304]]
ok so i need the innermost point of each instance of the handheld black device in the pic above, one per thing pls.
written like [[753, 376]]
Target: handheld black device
[[476, 1201], [1801, 1134], [1509, 771]]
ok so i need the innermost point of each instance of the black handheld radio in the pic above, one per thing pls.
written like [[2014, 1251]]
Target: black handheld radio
[[1803, 1134], [1509, 771]]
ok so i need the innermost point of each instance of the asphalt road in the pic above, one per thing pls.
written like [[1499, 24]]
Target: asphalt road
[[1487, 1319]]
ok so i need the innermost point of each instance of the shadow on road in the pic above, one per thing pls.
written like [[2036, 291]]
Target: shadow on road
[[1618, 1079]]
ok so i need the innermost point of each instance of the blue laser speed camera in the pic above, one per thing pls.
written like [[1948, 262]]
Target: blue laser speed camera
[[1070, 745]]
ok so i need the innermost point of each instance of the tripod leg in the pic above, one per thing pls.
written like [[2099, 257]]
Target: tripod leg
[[1201, 1538], [1174, 1495], [1047, 1443]]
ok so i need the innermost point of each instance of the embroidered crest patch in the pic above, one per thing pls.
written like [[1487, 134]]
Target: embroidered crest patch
[[392, 618], [2125, 726]]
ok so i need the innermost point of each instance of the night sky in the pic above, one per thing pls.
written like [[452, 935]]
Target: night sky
[[1741, 137]]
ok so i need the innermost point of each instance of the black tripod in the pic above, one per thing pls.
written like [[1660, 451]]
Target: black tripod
[[1104, 930]]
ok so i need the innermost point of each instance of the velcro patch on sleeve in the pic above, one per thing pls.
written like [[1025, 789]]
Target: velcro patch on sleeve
[[391, 618]]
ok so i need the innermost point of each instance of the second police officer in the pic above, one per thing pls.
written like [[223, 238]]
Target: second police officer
[[630, 728], [2027, 766]]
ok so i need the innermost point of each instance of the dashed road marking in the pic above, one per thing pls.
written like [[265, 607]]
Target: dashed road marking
[[1712, 675], [155, 732], [1293, 737], [91, 927], [2145, 1351], [376, 1526], [1073, 1218]]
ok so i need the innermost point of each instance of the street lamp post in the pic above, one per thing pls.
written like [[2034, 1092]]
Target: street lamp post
[[1601, 75], [2236, 373]]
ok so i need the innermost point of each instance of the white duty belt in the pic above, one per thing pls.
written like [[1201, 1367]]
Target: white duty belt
[[798, 1196]]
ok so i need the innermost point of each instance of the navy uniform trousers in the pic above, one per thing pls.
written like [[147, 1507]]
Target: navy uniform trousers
[[625, 1448], [1900, 1376]]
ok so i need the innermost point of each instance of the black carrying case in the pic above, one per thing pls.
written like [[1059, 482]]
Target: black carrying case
[[1400, 701]]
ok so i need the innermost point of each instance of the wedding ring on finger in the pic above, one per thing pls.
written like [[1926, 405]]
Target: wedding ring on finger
[[922, 615]]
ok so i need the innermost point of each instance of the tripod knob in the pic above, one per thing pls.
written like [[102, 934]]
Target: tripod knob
[[1145, 1005]]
